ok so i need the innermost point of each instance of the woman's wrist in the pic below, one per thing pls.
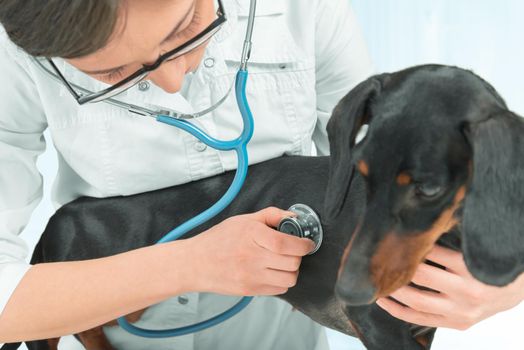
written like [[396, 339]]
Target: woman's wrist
[[175, 266]]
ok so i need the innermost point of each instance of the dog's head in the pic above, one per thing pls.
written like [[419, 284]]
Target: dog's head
[[441, 150]]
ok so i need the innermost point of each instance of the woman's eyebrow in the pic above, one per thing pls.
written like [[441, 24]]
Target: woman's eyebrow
[[173, 32], [179, 24]]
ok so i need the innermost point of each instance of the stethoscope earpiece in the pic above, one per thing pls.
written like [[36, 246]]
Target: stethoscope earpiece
[[306, 224]]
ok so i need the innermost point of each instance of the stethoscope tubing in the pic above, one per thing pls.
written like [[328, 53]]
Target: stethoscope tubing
[[239, 145]]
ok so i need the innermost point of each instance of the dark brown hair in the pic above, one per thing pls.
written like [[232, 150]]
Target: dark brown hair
[[59, 28]]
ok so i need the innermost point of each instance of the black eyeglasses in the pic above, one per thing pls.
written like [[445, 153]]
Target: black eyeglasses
[[142, 73]]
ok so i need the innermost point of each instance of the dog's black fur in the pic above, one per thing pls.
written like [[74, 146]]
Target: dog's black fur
[[438, 124]]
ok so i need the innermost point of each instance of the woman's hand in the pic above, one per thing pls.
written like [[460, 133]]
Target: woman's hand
[[244, 255], [462, 302]]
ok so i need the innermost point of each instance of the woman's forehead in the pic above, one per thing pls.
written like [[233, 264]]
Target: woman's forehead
[[139, 31]]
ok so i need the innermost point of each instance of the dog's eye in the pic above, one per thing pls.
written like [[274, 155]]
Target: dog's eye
[[427, 190]]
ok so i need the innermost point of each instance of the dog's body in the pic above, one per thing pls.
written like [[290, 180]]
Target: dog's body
[[92, 228], [89, 228], [369, 198]]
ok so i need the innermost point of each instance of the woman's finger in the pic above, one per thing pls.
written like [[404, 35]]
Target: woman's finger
[[282, 262], [281, 279], [409, 315], [440, 280], [448, 258], [423, 301], [284, 244], [271, 216]]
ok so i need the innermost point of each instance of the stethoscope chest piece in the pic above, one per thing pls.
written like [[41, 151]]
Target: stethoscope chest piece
[[305, 224]]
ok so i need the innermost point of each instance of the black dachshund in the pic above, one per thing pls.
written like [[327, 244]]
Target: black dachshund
[[442, 161]]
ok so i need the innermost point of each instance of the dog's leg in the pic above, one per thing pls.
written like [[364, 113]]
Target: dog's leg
[[95, 339], [53, 343]]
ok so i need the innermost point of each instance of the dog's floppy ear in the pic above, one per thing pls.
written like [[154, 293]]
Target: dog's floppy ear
[[493, 217], [347, 118]]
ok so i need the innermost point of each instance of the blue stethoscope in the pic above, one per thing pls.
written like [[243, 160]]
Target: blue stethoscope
[[239, 145]]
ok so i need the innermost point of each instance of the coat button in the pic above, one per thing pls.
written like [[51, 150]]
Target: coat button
[[143, 85], [209, 62], [199, 146], [182, 299]]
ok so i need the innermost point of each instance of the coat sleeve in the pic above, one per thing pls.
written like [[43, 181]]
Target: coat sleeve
[[342, 61], [22, 124]]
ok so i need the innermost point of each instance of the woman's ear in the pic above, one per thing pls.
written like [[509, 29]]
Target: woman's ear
[[493, 217], [347, 118]]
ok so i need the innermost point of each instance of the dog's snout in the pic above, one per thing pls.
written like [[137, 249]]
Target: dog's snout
[[354, 289]]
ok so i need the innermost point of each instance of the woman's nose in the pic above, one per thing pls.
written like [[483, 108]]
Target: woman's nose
[[169, 76]]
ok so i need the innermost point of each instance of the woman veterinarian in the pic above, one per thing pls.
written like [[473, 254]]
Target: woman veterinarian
[[305, 58]]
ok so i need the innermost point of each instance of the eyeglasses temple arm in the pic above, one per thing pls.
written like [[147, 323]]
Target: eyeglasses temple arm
[[61, 77]]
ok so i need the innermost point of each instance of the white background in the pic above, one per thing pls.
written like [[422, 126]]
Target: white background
[[484, 35]]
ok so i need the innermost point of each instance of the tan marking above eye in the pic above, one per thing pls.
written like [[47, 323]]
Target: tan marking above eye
[[363, 167], [403, 179]]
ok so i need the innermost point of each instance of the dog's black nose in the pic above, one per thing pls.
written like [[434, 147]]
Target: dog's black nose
[[355, 291]]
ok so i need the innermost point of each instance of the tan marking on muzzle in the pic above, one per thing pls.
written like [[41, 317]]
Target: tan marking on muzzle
[[397, 257], [363, 167]]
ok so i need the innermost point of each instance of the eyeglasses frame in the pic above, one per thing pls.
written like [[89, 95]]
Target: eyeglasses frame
[[142, 73]]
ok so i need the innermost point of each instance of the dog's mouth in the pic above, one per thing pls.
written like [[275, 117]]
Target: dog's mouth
[[397, 260], [392, 267], [389, 269], [369, 270]]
